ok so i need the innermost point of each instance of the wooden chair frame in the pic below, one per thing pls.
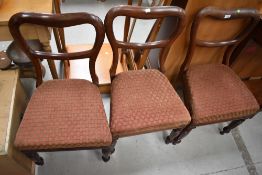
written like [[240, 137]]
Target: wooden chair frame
[[158, 13], [128, 31], [217, 14], [142, 13], [57, 21]]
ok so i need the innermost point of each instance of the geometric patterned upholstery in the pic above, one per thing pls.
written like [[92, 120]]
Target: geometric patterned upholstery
[[216, 94], [144, 101], [64, 114]]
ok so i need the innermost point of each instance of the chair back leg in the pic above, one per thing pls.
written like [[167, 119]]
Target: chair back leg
[[231, 126]]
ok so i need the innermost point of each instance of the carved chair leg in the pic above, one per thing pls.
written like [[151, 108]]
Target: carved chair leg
[[34, 156], [108, 151], [183, 134], [231, 126], [174, 133]]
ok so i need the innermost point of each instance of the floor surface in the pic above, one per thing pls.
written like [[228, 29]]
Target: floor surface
[[202, 152]]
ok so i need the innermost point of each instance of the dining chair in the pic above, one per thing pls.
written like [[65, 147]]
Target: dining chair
[[143, 101], [63, 114], [213, 93]]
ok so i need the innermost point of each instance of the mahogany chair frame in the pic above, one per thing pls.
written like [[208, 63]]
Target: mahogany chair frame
[[158, 12], [57, 21], [216, 14], [132, 57], [142, 13]]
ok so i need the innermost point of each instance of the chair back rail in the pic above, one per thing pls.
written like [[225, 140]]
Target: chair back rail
[[58, 21], [218, 14], [137, 12]]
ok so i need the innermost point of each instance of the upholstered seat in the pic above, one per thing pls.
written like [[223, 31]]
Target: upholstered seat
[[144, 101], [64, 114], [216, 94]]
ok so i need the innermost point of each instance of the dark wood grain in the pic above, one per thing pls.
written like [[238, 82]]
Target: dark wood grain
[[142, 13], [58, 21], [219, 14]]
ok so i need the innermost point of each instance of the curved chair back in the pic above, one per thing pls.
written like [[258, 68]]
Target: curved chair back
[[58, 21], [142, 13], [218, 14]]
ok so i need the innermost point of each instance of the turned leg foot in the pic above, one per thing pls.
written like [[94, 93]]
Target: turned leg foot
[[231, 126], [174, 133], [34, 156], [108, 151], [105, 158], [40, 161], [182, 134], [176, 142], [167, 140]]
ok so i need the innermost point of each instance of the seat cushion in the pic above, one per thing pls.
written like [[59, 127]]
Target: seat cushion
[[144, 101], [216, 94], [64, 114]]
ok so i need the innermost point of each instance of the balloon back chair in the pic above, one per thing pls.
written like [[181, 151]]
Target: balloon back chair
[[143, 101], [62, 114], [213, 92]]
